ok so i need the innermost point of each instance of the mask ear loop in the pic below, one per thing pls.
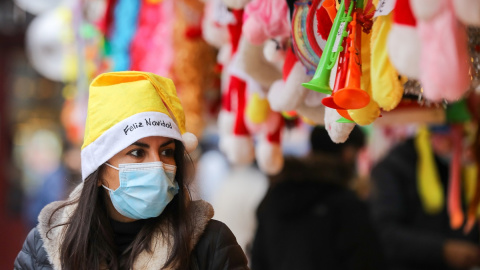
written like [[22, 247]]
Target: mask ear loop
[[111, 166]]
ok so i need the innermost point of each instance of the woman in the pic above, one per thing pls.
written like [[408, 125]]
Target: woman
[[132, 210]]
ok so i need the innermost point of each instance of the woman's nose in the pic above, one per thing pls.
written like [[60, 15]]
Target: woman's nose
[[153, 156]]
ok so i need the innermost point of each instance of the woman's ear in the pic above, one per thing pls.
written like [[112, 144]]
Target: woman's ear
[[100, 180]]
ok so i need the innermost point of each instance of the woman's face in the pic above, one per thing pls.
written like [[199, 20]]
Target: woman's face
[[149, 149]]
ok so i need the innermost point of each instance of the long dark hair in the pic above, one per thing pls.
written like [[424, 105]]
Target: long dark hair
[[89, 240]]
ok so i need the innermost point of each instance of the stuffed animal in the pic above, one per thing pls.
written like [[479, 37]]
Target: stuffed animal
[[468, 11], [403, 41], [444, 59], [387, 89], [265, 19]]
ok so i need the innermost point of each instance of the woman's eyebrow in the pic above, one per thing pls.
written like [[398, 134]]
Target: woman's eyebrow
[[167, 143], [141, 144]]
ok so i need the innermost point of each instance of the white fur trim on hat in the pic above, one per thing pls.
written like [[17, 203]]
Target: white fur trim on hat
[[123, 134]]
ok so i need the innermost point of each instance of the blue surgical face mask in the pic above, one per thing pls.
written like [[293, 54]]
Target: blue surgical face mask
[[145, 189]]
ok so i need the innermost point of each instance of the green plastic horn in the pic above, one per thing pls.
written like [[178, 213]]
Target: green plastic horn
[[320, 81]]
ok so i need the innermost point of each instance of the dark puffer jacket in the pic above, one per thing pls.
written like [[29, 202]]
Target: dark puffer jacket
[[412, 239], [306, 223], [215, 245], [216, 249]]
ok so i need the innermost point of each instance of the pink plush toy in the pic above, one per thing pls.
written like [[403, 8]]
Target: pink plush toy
[[403, 41], [151, 49], [265, 19], [444, 62]]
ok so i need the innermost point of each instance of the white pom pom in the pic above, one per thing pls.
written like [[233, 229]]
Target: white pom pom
[[404, 50], [269, 157], [190, 141]]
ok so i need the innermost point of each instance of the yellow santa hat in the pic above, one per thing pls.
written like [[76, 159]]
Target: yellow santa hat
[[126, 106]]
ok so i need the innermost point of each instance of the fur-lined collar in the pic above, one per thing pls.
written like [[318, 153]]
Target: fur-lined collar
[[200, 211]]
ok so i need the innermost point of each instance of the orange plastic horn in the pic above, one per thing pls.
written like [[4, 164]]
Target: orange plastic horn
[[352, 97], [339, 79]]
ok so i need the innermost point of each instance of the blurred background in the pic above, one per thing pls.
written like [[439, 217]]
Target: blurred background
[[229, 83]]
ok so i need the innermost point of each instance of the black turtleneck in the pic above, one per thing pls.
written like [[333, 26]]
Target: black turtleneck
[[125, 232]]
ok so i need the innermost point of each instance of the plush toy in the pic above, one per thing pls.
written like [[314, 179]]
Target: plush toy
[[236, 143], [444, 61], [468, 11], [338, 132], [265, 19], [387, 89], [253, 62], [152, 45], [287, 94], [403, 41], [214, 24]]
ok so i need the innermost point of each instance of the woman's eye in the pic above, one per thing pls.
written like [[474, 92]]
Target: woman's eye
[[168, 152], [137, 153]]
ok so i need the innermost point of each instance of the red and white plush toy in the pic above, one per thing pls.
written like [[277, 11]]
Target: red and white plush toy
[[403, 41], [235, 139]]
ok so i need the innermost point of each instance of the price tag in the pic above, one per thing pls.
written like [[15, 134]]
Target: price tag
[[384, 7], [338, 37]]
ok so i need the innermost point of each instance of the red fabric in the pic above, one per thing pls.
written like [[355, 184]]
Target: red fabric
[[193, 32], [275, 136], [290, 60], [324, 23], [227, 98], [235, 29], [402, 13], [238, 89], [105, 23]]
